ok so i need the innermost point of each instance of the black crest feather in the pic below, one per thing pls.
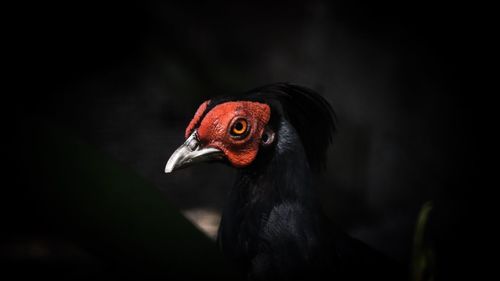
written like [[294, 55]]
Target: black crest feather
[[309, 113]]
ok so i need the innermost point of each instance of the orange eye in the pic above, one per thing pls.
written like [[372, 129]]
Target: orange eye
[[239, 128]]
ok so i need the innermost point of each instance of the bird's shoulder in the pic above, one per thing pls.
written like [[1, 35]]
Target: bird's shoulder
[[291, 225]]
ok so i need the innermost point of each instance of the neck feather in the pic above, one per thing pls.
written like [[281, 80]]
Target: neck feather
[[280, 175]]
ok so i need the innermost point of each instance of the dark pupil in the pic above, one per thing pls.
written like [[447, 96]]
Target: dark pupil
[[238, 126]]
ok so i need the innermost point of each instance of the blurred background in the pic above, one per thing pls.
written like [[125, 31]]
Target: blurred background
[[123, 80]]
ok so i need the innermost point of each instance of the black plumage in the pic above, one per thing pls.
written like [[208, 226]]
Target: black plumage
[[273, 227]]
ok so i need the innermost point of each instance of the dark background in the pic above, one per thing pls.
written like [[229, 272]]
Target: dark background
[[127, 78]]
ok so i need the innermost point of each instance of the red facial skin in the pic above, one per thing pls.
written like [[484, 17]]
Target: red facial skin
[[196, 118], [215, 126]]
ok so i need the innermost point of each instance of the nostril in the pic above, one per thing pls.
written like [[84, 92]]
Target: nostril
[[193, 144]]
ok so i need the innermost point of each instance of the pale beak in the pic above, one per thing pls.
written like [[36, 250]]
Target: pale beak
[[191, 152]]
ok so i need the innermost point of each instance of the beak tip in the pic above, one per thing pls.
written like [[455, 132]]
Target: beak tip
[[190, 152], [168, 169]]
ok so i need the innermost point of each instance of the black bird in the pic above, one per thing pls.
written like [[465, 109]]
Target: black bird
[[273, 227]]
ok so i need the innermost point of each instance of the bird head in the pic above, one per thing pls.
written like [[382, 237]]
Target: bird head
[[235, 129], [232, 130]]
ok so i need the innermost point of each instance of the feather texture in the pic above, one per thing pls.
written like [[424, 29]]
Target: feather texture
[[308, 112], [273, 226]]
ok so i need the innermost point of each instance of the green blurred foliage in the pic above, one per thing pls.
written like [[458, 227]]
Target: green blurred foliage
[[423, 264]]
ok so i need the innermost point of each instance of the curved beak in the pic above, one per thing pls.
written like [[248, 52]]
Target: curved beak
[[191, 152]]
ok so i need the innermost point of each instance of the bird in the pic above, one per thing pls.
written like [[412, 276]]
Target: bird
[[273, 226]]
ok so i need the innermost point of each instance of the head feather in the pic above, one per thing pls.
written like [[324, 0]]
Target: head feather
[[309, 113]]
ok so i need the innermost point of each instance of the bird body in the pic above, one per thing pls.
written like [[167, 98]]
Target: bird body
[[273, 227]]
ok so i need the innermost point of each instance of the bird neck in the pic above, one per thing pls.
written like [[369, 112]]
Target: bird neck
[[280, 175]]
